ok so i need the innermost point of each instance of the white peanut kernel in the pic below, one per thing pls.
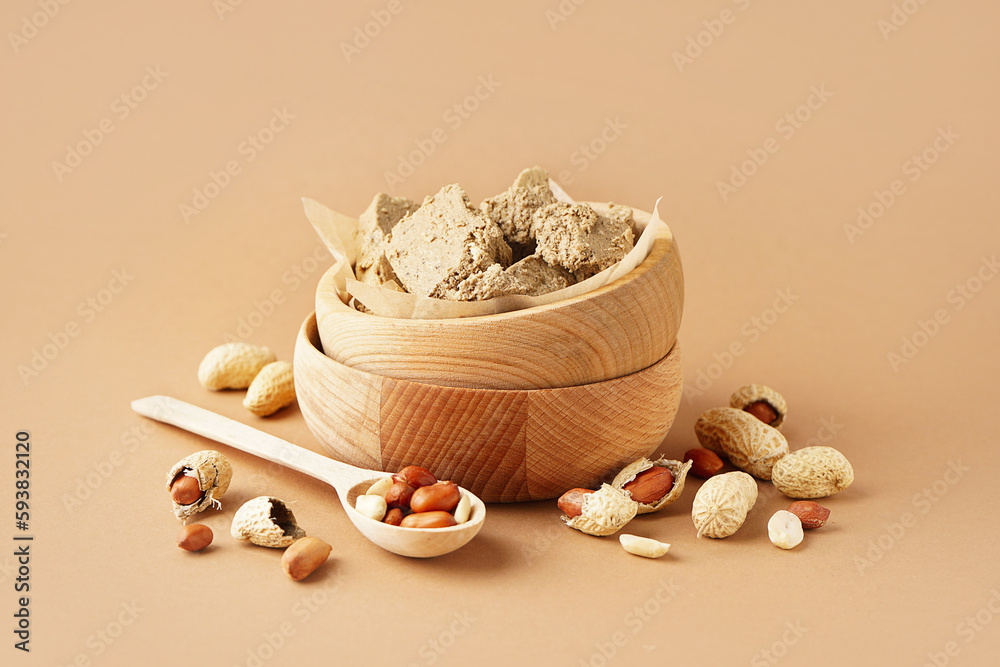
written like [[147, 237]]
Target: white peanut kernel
[[785, 530], [373, 507], [380, 487], [643, 546]]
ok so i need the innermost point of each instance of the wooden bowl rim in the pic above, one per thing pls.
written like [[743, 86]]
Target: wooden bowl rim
[[310, 333], [663, 245]]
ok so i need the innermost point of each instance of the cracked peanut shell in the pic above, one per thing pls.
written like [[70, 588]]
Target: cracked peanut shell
[[755, 393], [213, 472], [678, 469], [604, 512], [267, 522]]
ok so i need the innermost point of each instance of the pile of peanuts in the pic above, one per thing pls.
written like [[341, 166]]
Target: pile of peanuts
[[414, 498]]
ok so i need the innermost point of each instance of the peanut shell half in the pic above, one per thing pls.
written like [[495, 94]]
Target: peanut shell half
[[604, 512], [678, 469], [213, 472], [267, 522]]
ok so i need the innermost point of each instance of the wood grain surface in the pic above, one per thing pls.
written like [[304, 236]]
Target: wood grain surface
[[503, 445]]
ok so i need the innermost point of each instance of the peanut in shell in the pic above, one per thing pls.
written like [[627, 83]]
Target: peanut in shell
[[749, 394], [604, 512], [812, 472], [722, 503], [750, 444], [213, 472], [678, 469]]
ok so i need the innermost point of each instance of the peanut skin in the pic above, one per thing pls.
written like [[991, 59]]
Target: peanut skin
[[650, 485], [762, 411], [705, 462], [429, 520], [571, 502], [185, 490], [443, 497], [304, 557], [393, 517], [399, 495], [811, 514], [194, 537], [415, 476]]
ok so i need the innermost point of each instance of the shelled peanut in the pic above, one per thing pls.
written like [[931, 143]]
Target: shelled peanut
[[414, 498], [304, 557], [194, 537], [704, 462]]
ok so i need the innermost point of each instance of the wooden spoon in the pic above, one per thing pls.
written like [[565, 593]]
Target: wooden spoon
[[350, 482]]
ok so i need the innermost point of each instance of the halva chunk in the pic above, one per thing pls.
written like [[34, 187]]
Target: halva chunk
[[577, 239], [512, 210], [374, 227], [445, 241], [538, 276]]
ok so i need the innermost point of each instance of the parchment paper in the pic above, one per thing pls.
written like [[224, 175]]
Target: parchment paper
[[338, 232]]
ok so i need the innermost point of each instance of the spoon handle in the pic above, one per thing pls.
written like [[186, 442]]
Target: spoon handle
[[248, 439]]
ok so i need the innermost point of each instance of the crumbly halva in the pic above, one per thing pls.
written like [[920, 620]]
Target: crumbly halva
[[521, 241], [538, 276], [374, 227], [536, 179], [435, 248], [574, 237], [512, 210], [493, 282], [378, 273], [621, 213]]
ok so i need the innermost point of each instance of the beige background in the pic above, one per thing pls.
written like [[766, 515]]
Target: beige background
[[909, 560]]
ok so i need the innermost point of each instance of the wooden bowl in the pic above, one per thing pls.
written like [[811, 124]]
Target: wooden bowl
[[502, 445], [616, 330]]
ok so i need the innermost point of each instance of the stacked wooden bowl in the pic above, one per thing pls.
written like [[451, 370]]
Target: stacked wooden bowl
[[516, 406]]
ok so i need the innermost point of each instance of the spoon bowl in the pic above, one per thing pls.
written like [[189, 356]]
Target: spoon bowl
[[349, 481], [413, 542]]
